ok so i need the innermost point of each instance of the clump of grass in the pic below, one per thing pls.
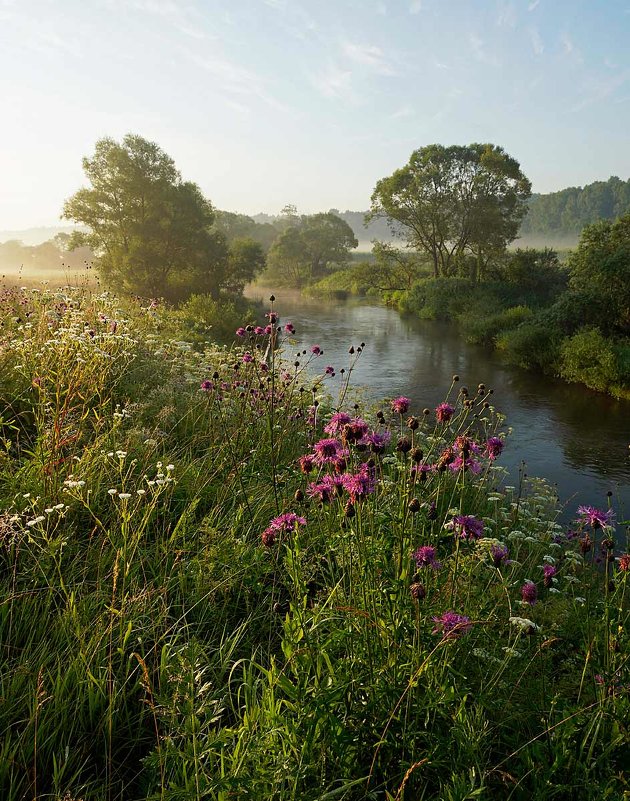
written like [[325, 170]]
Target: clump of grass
[[220, 582]]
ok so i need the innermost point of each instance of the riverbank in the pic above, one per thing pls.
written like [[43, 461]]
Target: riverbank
[[213, 586]]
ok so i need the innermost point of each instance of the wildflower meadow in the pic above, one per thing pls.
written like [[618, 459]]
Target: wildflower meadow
[[222, 578]]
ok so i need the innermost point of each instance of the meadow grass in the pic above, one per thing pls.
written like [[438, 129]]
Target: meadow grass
[[220, 582]]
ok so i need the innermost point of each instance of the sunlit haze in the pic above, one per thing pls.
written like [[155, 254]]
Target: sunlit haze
[[269, 102]]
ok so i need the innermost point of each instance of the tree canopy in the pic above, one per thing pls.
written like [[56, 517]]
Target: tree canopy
[[449, 202], [309, 246], [150, 230]]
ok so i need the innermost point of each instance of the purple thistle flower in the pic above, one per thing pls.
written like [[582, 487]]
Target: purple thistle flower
[[465, 464], [248, 358], [425, 557], [494, 446], [267, 330], [354, 430], [289, 328], [259, 330], [359, 484], [330, 370], [281, 525], [596, 518], [376, 442], [272, 316], [444, 412], [529, 593], [549, 571], [316, 350], [400, 405], [207, 385], [240, 332], [337, 422], [327, 451], [466, 446], [451, 625], [467, 526], [422, 471], [499, 554], [321, 491]]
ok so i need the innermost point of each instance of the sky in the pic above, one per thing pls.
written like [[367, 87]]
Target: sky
[[310, 102]]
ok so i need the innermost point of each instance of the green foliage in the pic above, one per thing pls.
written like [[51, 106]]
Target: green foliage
[[601, 266], [151, 232], [588, 358], [453, 201], [308, 248], [152, 647], [532, 345], [484, 330], [570, 210]]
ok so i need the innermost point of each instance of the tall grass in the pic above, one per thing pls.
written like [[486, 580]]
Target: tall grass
[[217, 582]]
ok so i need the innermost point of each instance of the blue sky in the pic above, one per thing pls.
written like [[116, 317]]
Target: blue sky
[[269, 102]]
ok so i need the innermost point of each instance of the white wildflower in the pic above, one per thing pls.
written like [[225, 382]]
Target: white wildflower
[[523, 623]]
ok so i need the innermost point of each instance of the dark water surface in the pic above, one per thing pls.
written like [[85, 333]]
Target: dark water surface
[[575, 438]]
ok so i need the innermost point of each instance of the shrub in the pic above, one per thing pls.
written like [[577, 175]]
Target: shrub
[[532, 345], [484, 330], [589, 358]]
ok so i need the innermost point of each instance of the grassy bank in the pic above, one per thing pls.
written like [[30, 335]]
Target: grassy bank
[[218, 583]]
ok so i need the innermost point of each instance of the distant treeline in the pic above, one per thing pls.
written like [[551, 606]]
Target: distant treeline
[[567, 212]]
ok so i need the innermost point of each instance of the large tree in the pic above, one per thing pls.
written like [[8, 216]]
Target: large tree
[[150, 230], [309, 246], [450, 202]]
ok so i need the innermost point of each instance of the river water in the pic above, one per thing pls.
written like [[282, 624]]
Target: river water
[[575, 438]]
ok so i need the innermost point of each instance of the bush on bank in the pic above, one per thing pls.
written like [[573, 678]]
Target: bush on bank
[[219, 582]]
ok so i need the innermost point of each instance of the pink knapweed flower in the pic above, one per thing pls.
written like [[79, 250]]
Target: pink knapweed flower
[[529, 593], [499, 554], [549, 571], [596, 518], [444, 412], [359, 484], [494, 446], [289, 328], [425, 557], [465, 464], [248, 358], [451, 625], [400, 405], [328, 450], [281, 525], [240, 332], [316, 350], [467, 526], [337, 422]]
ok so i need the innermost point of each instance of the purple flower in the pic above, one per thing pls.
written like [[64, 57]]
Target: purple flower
[[425, 557], [337, 422], [272, 316], [289, 328], [444, 412], [376, 442], [499, 554], [247, 357], [330, 370], [207, 385], [467, 526], [494, 446], [240, 332], [422, 471], [529, 593], [400, 405], [259, 330], [280, 525], [354, 430], [596, 518], [316, 350], [451, 625], [359, 484], [328, 451], [466, 446], [465, 464], [549, 571]]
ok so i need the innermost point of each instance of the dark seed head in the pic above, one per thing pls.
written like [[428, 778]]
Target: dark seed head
[[418, 592], [414, 505]]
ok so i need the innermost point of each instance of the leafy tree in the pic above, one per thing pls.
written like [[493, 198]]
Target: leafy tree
[[452, 201], [240, 226], [600, 267], [149, 229], [309, 246]]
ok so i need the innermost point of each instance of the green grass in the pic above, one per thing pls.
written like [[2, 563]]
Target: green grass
[[153, 647]]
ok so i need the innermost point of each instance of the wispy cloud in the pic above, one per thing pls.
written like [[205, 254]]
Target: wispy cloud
[[367, 55], [537, 43], [415, 7], [569, 49], [334, 82], [534, 4], [598, 89], [506, 18], [404, 111], [479, 50]]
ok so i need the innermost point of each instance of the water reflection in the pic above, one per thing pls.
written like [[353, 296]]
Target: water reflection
[[575, 438]]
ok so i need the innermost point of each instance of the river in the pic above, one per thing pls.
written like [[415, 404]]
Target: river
[[575, 438]]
